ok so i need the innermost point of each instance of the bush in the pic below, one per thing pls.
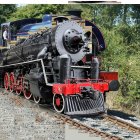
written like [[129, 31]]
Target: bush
[[123, 54]]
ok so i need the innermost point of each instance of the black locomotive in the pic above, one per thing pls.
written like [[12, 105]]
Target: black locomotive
[[59, 65]]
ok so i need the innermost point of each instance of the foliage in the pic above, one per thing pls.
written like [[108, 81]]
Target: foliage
[[5, 11], [123, 54], [35, 11]]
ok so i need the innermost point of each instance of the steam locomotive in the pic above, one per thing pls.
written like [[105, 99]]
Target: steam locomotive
[[59, 64]]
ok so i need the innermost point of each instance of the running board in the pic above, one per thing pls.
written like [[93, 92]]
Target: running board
[[74, 105]]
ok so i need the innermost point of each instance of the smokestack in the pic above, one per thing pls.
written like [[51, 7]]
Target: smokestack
[[75, 13]]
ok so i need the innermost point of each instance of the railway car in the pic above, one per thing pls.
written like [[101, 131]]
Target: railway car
[[56, 61]]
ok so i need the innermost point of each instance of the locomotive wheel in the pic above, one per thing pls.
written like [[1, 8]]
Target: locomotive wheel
[[37, 99], [26, 90], [19, 87], [59, 103], [12, 82], [6, 81], [27, 94]]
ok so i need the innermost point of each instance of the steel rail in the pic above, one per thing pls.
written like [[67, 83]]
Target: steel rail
[[91, 130], [123, 124]]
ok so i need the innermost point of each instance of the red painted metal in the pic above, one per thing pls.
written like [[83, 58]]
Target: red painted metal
[[84, 59], [58, 101], [108, 76], [6, 81], [102, 84], [19, 84], [12, 82], [27, 93], [76, 88]]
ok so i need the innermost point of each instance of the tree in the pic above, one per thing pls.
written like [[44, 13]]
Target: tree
[[5, 11], [35, 11], [136, 14]]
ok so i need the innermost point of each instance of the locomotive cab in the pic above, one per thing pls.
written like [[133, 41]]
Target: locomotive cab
[[12, 30]]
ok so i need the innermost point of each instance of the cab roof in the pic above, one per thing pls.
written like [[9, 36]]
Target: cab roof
[[22, 21]]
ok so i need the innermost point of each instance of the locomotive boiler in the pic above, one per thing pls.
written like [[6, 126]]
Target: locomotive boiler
[[59, 67]]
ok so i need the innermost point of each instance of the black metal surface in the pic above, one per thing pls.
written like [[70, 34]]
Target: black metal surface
[[51, 40], [65, 63], [74, 105], [97, 39], [114, 85], [95, 69]]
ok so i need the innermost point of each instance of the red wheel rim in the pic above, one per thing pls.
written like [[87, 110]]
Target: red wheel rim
[[27, 94], [6, 81], [26, 90], [19, 82], [58, 102], [12, 82]]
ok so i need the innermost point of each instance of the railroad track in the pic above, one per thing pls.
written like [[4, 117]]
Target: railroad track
[[123, 124], [86, 128], [103, 134], [95, 125]]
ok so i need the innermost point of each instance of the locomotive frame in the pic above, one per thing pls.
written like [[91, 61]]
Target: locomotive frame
[[57, 66]]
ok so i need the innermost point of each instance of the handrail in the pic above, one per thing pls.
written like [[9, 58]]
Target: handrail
[[74, 80]]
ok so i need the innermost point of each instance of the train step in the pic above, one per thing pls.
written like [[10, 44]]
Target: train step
[[75, 105]]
